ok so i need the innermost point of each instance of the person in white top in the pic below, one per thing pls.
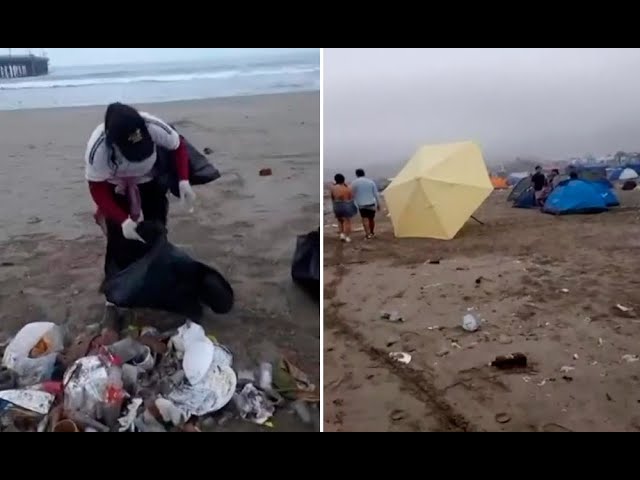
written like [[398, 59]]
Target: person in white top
[[119, 167]]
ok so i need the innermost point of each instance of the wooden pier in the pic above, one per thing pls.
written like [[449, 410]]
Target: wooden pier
[[18, 66]]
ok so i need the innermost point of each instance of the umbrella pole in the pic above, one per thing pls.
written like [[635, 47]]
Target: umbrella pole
[[481, 223]]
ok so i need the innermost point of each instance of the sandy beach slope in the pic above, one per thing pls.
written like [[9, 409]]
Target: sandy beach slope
[[51, 251], [546, 286]]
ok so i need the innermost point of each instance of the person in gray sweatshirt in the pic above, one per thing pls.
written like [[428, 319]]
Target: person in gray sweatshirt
[[367, 199]]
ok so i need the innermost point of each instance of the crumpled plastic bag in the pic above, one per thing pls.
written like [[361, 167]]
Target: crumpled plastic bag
[[253, 405], [208, 396], [210, 380], [198, 352], [85, 382], [33, 351]]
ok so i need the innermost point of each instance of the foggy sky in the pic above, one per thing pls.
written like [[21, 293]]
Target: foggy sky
[[97, 56], [381, 104]]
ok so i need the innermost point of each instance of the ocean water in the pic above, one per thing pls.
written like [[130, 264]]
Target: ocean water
[[163, 82]]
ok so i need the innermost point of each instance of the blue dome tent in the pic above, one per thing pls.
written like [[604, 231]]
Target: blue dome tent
[[575, 196], [609, 196]]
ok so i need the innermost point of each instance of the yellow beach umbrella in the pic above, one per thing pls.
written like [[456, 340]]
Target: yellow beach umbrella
[[438, 190]]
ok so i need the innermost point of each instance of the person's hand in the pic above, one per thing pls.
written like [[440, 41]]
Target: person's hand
[[187, 195], [129, 230], [378, 207]]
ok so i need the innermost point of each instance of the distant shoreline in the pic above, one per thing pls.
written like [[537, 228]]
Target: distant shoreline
[[167, 103]]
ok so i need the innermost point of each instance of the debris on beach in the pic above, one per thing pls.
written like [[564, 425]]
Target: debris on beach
[[567, 369], [400, 357], [502, 418], [266, 172], [623, 309], [506, 362], [393, 316], [470, 323], [207, 150], [146, 382], [630, 358]]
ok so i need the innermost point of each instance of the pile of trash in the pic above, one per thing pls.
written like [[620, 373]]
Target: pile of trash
[[146, 382]]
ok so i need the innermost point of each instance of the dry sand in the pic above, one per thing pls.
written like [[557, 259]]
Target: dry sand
[[546, 286], [51, 251]]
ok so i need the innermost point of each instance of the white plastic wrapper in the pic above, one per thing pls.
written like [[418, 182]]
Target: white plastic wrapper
[[208, 396], [31, 371], [210, 380], [85, 382], [32, 400]]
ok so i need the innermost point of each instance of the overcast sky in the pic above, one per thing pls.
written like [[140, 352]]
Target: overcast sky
[[89, 56], [380, 104]]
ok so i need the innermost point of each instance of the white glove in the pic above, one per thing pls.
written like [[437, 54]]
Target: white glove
[[187, 195], [129, 230]]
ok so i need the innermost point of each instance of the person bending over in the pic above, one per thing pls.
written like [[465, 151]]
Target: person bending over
[[119, 167]]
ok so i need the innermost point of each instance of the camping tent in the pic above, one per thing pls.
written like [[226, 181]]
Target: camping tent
[[514, 178], [499, 183], [604, 188], [519, 187], [526, 199], [588, 172], [575, 196], [438, 190], [624, 174]]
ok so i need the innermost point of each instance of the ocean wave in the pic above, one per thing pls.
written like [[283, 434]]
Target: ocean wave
[[44, 83]]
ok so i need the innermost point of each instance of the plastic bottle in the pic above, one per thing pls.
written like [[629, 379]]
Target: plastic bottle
[[113, 393]]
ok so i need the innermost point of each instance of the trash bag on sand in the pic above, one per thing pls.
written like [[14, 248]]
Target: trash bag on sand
[[305, 268], [201, 171], [168, 279]]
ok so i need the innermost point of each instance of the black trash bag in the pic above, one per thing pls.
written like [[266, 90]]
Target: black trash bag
[[305, 268], [168, 279], [201, 171]]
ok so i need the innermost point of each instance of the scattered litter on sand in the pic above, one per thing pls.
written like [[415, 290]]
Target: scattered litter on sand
[[623, 309], [470, 323], [567, 369], [392, 316], [630, 358], [147, 382], [502, 418], [514, 360], [400, 357]]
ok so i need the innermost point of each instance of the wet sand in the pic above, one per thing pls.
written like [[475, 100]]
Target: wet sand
[[245, 225], [546, 286]]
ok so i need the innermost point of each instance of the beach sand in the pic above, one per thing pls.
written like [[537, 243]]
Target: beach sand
[[546, 286], [245, 225]]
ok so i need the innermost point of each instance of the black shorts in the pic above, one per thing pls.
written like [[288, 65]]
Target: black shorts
[[368, 213]]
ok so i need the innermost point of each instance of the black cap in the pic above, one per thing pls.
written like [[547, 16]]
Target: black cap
[[125, 128]]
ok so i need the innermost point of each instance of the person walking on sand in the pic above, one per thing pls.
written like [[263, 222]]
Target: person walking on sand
[[119, 167], [367, 199], [343, 206]]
